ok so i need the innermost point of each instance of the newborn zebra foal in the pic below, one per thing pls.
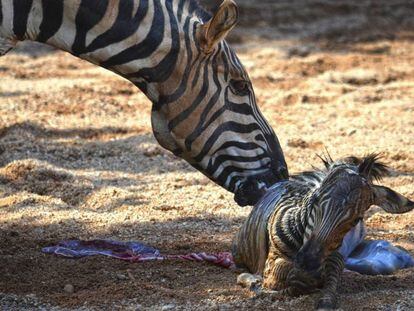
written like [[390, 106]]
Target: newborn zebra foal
[[292, 237]]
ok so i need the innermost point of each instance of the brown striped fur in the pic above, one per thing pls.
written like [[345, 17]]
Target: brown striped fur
[[293, 234]]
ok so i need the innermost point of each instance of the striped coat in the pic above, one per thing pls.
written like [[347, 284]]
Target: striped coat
[[204, 107], [293, 235]]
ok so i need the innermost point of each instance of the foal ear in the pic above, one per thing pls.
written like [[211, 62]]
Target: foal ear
[[216, 29], [391, 201]]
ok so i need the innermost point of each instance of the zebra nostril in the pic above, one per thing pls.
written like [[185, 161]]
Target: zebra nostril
[[249, 192]]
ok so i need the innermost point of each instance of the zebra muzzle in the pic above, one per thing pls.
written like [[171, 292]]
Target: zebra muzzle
[[249, 192], [252, 188]]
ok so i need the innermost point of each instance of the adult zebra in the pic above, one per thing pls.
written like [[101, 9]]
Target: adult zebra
[[204, 107]]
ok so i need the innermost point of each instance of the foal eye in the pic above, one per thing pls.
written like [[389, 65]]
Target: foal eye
[[240, 87]]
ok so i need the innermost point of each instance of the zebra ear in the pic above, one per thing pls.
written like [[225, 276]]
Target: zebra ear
[[216, 29], [391, 201]]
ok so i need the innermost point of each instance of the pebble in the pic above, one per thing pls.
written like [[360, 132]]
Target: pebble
[[168, 307], [120, 276], [152, 151], [248, 280], [352, 132], [275, 77], [69, 288]]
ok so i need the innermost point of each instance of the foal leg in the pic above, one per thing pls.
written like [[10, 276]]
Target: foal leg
[[284, 280], [276, 272], [333, 267], [274, 278], [302, 282]]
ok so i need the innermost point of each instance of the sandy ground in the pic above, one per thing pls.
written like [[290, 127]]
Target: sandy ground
[[78, 160]]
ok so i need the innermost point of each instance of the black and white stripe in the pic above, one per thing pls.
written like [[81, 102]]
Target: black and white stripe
[[293, 235], [306, 218], [204, 107]]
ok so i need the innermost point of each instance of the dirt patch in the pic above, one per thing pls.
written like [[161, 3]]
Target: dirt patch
[[78, 160]]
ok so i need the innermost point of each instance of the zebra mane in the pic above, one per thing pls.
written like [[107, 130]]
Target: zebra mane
[[199, 11], [369, 165]]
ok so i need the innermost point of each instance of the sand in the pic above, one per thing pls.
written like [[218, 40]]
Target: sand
[[78, 160]]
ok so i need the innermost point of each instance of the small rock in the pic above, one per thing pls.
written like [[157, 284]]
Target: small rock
[[305, 99], [248, 280], [69, 288], [352, 132], [152, 151], [168, 307], [121, 277], [275, 77]]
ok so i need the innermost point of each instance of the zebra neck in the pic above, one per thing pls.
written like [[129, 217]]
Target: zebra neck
[[307, 217], [305, 184], [298, 222], [137, 39], [289, 226]]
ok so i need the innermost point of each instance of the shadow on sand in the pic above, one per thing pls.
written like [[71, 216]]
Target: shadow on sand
[[101, 281]]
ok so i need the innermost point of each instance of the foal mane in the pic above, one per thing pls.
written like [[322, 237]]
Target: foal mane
[[369, 166]]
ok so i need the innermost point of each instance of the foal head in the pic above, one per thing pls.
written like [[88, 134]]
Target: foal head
[[339, 202]]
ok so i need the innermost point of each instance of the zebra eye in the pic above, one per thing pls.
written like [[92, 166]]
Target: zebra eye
[[240, 87]]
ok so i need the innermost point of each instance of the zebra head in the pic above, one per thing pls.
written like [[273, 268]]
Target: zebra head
[[204, 107], [339, 203], [210, 118]]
